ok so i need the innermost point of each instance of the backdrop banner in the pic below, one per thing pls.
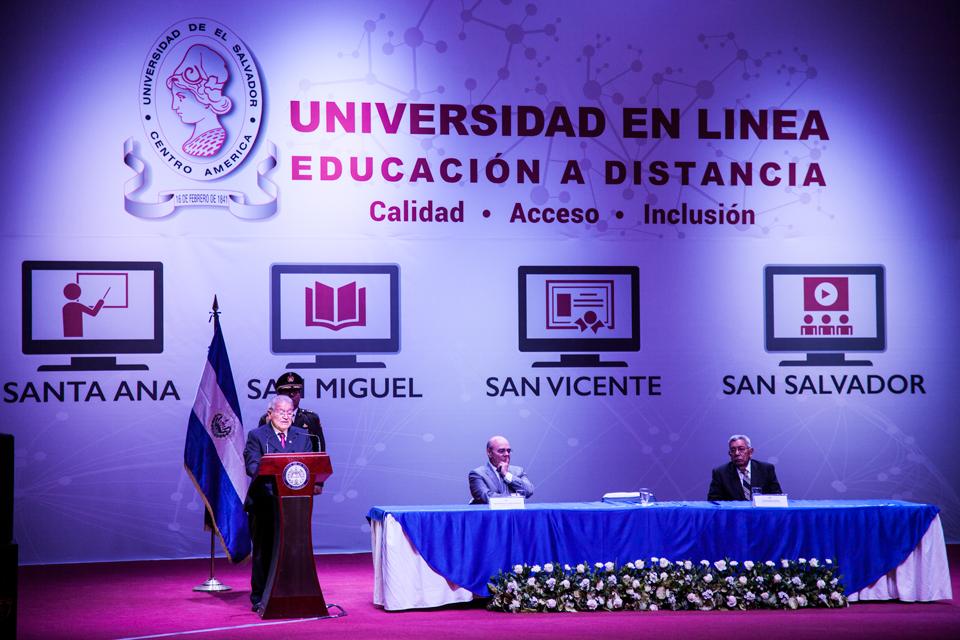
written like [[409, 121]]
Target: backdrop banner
[[615, 233]]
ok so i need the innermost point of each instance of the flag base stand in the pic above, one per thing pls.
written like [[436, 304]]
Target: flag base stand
[[212, 585]]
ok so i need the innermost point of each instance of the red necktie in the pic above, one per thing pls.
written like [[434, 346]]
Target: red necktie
[[283, 441]]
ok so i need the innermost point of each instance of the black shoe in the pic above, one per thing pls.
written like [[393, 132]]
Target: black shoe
[[256, 606]]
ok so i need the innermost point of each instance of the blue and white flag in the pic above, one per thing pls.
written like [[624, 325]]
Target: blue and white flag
[[213, 454]]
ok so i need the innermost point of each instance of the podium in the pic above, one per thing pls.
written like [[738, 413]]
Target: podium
[[293, 590]]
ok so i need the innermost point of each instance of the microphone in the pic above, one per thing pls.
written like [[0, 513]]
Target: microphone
[[316, 440]]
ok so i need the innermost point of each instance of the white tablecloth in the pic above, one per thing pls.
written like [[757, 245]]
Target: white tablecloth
[[403, 580]]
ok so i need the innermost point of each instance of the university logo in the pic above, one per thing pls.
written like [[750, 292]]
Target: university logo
[[201, 106]]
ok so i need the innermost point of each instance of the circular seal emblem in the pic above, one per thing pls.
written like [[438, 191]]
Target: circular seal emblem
[[201, 99], [221, 426], [295, 475]]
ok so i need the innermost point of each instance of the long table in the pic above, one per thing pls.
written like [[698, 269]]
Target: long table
[[427, 556]]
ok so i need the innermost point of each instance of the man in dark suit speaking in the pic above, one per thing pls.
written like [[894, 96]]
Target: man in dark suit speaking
[[741, 477], [276, 436]]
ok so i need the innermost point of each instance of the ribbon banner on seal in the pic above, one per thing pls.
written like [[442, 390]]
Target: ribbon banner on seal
[[169, 201]]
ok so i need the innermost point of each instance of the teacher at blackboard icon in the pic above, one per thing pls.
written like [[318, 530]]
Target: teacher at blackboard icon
[[197, 90], [74, 310]]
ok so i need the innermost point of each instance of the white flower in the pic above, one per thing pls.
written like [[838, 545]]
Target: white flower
[[598, 565], [611, 579], [617, 602], [821, 584], [687, 565], [654, 607], [663, 575], [511, 586], [731, 602], [792, 603], [797, 581], [720, 565], [742, 579], [514, 605], [769, 563], [785, 563], [734, 563], [548, 567], [608, 566], [591, 604], [708, 594], [531, 581], [829, 561], [565, 584], [777, 578], [728, 579], [640, 564], [551, 603], [551, 583], [518, 568], [749, 596], [654, 559], [834, 595], [802, 561], [630, 565], [599, 585], [814, 562], [708, 578], [636, 584], [705, 563], [661, 593], [581, 568], [802, 601], [664, 563], [692, 597], [822, 597], [584, 584], [535, 569], [566, 567], [748, 565], [765, 595]]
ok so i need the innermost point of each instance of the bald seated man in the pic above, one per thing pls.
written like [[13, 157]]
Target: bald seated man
[[498, 477]]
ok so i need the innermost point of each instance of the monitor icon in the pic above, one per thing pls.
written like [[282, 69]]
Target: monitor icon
[[83, 307], [335, 312], [825, 311], [579, 310]]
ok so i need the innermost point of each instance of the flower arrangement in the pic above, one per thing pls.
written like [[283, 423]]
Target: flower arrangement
[[660, 584]]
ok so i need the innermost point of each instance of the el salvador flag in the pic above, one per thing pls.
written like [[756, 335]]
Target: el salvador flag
[[213, 454]]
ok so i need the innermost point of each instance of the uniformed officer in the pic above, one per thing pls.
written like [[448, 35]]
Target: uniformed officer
[[290, 384]]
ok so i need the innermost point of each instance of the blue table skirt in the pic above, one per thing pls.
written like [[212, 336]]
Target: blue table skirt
[[469, 544]]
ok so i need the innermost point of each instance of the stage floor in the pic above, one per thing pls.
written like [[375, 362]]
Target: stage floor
[[155, 599]]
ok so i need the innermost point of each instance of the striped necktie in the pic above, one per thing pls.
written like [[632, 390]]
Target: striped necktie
[[747, 491]]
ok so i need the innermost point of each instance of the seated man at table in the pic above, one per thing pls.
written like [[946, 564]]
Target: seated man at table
[[738, 479], [498, 477]]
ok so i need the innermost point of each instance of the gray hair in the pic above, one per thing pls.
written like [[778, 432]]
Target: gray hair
[[273, 401], [740, 436]]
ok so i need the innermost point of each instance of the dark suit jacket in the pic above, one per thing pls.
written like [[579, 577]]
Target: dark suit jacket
[[263, 440], [486, 482], [308, 420], [725, 483]]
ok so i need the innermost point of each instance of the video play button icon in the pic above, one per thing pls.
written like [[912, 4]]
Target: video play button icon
[[826, 294]]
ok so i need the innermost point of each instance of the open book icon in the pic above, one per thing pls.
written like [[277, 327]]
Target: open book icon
[[335, 307]]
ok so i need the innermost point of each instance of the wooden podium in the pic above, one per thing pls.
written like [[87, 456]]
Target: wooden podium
[[293, 590]]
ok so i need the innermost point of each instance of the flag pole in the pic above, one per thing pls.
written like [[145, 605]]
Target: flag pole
[[212, 585]]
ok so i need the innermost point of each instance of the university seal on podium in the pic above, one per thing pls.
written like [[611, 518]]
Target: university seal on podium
[[295, 475]]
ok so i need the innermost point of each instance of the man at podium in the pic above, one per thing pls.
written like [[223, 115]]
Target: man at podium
[[276, 436]]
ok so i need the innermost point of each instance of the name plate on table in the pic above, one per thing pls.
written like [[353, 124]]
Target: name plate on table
[[507, 502], [771, 500]]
